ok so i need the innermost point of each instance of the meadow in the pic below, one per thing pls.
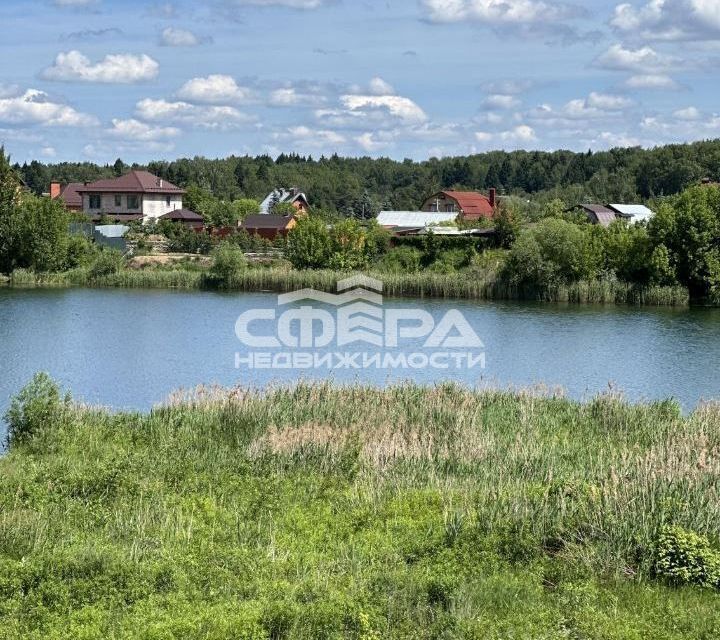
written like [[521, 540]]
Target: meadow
[[318, 511]]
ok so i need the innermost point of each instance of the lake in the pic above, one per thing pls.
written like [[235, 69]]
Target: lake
[[131, 348]]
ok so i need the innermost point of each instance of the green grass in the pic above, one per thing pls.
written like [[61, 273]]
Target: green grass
[[426, 284], [326, 512]]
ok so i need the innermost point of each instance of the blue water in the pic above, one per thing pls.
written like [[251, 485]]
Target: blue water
[[131, 348]]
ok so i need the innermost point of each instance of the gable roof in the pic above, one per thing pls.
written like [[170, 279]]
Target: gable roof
[[183, 214], [70, 196], [283, 196], [638, 212], [601, 213], [414, 219], [266, 221], [472, 203], [133, 182]]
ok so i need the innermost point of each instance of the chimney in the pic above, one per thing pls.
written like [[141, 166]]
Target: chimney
[[493, 197], [54, 190]]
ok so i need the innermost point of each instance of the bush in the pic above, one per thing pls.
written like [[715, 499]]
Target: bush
[[109, 262], [36, 408], [684, 557], [229, 262], [401, 260]]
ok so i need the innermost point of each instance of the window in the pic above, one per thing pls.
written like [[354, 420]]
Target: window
[[118, 201], [133, 202], [167, 201], [95, 201], [450, 208]]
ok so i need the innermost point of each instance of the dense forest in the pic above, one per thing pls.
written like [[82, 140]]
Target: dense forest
[[361, 187]]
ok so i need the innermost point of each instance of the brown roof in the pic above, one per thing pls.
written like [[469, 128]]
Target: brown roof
[[472, 203], [133, 182], [183, 214], [602, 214], [70, 196], [266, 221]]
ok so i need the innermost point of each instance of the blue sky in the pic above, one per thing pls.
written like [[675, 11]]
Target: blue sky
[[139, 79]]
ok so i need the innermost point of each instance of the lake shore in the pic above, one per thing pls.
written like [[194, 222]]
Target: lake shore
[[319, 511], [467, 286]]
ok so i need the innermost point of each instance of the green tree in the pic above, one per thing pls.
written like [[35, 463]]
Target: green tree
[[228, 263], [689, 227], [506, 226], [348, 242], [309, 245]]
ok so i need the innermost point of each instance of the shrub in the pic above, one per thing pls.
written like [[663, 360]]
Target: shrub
[[685, 557], [107, 263], [37, 407], [229, 262], [401, 260]]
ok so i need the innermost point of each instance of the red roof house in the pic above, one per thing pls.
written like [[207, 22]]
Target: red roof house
[[470, 205]]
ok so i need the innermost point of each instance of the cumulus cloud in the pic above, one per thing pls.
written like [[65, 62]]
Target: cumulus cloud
[[519, 136], [501, 102], [651, 81], [174, 37], [48, 152], [497, 12], [370, 142], [295, 97], [214, 89], [36, 107], [293, 4], [304, 136], [643, 60], [688, 114], [184, 113], [123, 68], [378, 87], [669, 20], [398, 107], [134, 130], [597, 106]]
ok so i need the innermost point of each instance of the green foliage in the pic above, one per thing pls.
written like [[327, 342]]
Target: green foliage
[[402, 259], [35, 410], [688, 226], [309, 244], [348, 246], [108, 262], [553, 252], [315, 511], [506, 226], [685, 557], [228, 263], [284, 209]]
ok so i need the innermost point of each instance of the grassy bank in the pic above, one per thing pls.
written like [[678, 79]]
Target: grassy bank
[[322, 512], [431, 285]]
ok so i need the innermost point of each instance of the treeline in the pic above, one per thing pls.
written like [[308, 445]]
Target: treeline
[[360, 187]]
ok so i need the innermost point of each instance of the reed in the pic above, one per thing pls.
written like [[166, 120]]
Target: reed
[[324, 511]]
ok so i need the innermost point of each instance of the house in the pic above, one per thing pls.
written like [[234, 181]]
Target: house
[[292, 196], [598, 214], [268, 226], [403, 222], [185, 217], [68, 193], [470, 205], [633, 212], [138, 195]]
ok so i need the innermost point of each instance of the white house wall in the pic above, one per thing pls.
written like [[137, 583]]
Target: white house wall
[[155, 205]]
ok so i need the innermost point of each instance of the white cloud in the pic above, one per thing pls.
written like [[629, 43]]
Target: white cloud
[[134, 130], [501, 101], [293, 4], [214, 89], [369, 142], [651, 81], [397, 106], [607, 102], [48, 152], [307, 137], [689, 114], [123, 68], [498, 12], [669, 20], [378, 87], [610, 139], [597, 106], [293, 97], [184, 113], [36, 107], [174, 37], [520, 136], [644, 60]]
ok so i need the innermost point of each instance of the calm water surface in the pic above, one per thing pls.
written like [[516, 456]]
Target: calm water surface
[[130, 349]]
